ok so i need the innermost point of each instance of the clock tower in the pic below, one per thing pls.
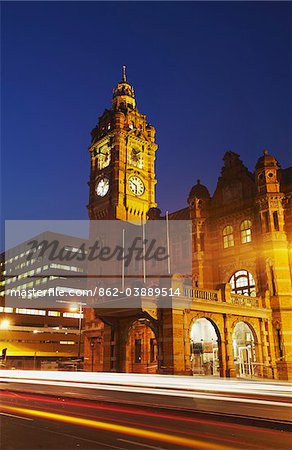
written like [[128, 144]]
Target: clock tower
[[122, 153]]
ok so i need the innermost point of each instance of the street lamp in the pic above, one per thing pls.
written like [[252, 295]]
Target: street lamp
[[5, 324], [73, 307]]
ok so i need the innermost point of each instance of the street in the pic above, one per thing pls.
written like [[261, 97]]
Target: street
[[39, 416]]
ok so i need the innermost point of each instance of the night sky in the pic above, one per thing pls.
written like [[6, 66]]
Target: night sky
[[210, 77]]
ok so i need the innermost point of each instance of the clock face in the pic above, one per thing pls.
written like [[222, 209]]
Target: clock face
[[102, 186], [136, 185]]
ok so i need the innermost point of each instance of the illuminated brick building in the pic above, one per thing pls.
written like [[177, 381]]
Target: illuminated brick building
[[238, 321]]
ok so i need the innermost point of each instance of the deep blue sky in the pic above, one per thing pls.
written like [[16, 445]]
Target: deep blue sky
[[209, 76]]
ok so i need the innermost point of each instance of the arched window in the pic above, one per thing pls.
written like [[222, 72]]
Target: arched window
[[245, 231], [228, 239], [242, 282]]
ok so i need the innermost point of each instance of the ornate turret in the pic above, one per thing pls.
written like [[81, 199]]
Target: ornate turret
[[266, 173], [198, 199], [124, 94], [154, 214], [198, 191]]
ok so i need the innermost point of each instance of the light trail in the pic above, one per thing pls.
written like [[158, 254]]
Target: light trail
[[131, 431], [133, 411], [188, 393], [256, 400], [205, 435], [156, 381]]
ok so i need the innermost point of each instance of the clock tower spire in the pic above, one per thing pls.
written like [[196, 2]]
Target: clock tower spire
[[122, 153], [124, 78]]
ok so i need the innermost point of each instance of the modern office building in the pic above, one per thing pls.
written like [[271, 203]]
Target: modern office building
[[45, 337]]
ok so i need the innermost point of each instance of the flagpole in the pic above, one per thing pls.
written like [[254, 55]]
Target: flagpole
[[144, 251], [167, 243], [123, 260]]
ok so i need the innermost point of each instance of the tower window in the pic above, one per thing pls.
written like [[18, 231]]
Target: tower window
[[261, 176], [266, 221], [242, 282], [245, 231], [228, 239], [276, 221]]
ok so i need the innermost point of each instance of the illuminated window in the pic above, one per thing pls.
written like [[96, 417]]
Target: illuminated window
[[33, 312], [54, 313], [65, 267], [228, 239], [242, 282], [6, 309], [245, 231], [75, 250], [72, 315]]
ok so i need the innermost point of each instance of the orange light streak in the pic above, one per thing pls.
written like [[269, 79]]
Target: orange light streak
[[137, 432]]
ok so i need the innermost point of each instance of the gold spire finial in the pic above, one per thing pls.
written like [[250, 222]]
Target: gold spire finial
[[124, 78]]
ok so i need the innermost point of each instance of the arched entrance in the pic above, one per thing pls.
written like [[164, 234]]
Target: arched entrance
[[244, 350], [141, 350], [205, 351]]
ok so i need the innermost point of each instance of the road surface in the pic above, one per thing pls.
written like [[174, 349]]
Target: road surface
[[36, 416]]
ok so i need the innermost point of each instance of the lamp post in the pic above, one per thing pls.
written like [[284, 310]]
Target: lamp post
[[76, 306], [4, 325]]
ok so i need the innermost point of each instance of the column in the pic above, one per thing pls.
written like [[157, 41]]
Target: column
[[230, 369]]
